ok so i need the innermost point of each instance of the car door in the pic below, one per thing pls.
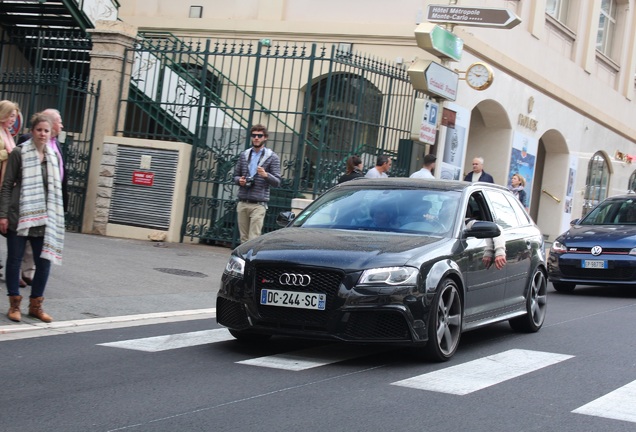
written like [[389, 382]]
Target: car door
[[485, 286], [518, 246]]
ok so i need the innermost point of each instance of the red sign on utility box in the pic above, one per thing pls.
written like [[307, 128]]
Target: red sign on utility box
[[143, 178]]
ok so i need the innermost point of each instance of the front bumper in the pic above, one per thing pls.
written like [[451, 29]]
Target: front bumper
[[568, 268], [383, 315]]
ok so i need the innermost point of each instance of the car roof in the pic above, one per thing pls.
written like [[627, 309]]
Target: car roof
[[630, 195], [415, 183]]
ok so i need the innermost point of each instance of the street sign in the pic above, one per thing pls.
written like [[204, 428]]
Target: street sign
[[434, 79], [438, 41], [426, 115], [428, 127], [471, 16]]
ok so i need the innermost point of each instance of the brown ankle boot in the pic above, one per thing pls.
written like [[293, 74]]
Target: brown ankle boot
[[35, 310], [14, 308]]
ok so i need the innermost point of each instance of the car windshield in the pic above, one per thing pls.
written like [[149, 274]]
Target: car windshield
[[612, 212], [416, 211]]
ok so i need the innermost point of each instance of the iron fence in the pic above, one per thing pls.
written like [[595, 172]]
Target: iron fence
[[49, 69], [320, 105]]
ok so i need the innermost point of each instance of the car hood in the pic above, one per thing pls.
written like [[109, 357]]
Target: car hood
[[618, 236], [347, 250]]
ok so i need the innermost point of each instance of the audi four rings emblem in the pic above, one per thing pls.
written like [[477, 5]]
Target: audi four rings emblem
[[294, 279], [597, 250]]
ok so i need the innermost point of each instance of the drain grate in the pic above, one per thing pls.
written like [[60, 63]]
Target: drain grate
[[181, 272]]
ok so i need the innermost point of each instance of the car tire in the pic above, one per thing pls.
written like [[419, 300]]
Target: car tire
[[250, 337], [536, 305], [444, 322], [563, 287]]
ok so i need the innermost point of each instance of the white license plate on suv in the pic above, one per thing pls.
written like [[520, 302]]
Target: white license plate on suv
[[293, 299], [594, 264]]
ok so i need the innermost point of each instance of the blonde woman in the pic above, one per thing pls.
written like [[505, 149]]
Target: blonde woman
[[8, 115], [31, 209], [517, 184]]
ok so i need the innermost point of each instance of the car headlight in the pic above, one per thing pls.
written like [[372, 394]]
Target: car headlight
[[558, 247], [632, 252], [389, 276], [235, 266]]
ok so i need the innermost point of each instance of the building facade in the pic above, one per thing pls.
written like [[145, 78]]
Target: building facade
[[560, 109]]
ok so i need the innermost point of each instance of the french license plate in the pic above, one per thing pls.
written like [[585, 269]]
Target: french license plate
[[594, 264], [293, 299]]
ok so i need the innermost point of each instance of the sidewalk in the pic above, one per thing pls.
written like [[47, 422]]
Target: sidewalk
[[105, 278]]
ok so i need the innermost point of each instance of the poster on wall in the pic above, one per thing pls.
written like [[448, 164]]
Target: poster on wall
[[569, 195], [522, 161], [455, 139]]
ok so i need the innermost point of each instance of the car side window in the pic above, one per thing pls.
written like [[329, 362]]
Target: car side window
[[477, 208], [505, 215], [522, 216]]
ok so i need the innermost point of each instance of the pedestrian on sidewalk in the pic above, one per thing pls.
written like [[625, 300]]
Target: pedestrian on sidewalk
[[354, 169], [257, 170], [427, 168], [9, 112], [381, 168], [28, 263], [31, 209]]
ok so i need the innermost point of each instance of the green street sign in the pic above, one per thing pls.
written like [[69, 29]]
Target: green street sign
[[439, 41]]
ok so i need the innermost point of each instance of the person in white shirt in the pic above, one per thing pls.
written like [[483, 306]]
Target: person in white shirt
[[427, 168], [382, 166]]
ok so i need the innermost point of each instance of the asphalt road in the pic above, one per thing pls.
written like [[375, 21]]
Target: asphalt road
[[190, 376]]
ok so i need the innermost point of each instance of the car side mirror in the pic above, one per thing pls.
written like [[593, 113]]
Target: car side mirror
[[574, 222], [483, 229], [285, 218]]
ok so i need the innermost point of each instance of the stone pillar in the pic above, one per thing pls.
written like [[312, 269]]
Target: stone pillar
[[108, 62]]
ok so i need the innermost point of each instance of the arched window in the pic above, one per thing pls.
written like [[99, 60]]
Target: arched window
[[345, 109], [596, 182], [344, 118], [632, 182]]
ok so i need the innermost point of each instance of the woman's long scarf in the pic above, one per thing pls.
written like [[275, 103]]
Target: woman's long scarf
[[38, 207]]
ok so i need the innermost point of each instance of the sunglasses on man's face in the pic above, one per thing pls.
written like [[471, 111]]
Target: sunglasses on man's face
[[258, 135]]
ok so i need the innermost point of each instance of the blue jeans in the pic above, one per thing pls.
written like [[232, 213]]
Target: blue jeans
[[15, 253]]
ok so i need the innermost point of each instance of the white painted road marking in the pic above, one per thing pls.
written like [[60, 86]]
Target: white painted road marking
[[175, 341], [485, 372], [39, 329], [617, 405], [313, 357]]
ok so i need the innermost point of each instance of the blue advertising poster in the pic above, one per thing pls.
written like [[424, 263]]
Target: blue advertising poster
[[522, 161]]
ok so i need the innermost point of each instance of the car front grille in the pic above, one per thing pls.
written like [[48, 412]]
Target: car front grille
[[231, 314], [612, 274], [606, 251], [377, 325], [322, 281]]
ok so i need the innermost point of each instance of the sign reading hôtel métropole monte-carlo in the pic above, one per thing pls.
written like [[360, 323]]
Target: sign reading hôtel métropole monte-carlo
[[472, 16]]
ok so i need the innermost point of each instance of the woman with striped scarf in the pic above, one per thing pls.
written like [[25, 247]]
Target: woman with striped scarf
[[31, 210]]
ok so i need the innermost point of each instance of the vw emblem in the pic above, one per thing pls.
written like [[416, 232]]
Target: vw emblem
[[294, 279], [597, 250]]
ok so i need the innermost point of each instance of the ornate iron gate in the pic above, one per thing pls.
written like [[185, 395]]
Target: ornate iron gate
[[49, 69], [319, 103]]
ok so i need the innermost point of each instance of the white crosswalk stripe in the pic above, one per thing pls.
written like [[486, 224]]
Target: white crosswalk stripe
[[175, 341], [617, 405], [481, 373], [461, 379], [313, 357]]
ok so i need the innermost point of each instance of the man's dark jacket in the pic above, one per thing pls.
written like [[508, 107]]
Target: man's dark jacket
[[485, 177]]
